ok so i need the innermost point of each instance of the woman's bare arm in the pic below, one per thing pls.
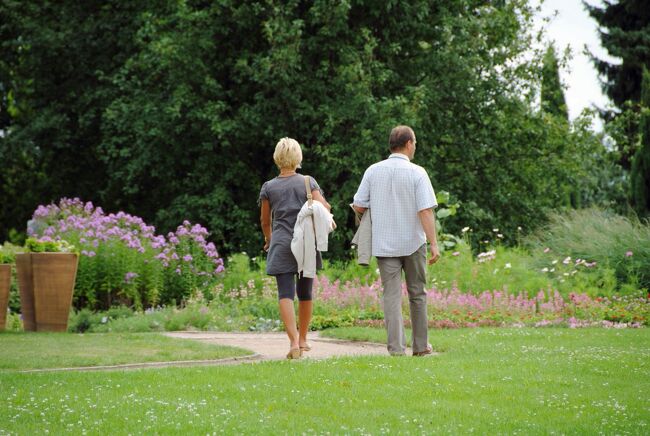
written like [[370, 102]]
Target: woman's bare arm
[[265, 220], [316, 195]]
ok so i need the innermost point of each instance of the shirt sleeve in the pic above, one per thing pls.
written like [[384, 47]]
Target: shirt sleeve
[[425, 198], [313, 184], [264, 195], [362, 197]]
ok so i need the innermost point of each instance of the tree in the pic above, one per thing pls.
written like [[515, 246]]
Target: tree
[[56, 58], [624, 33], [640, 174], [170, 109], [553, 100]]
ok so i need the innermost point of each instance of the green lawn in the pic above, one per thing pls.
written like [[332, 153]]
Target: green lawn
[[487, 381], [56, 350]]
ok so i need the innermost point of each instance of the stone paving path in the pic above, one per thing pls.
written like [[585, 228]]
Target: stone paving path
[[274, 346]]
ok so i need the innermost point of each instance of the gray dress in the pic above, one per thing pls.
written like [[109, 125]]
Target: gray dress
[[286, 195]]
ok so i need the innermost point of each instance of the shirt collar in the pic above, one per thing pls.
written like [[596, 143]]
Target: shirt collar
[[400, 156]]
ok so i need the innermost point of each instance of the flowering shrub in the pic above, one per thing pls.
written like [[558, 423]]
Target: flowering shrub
[[123, 260], [453, 308]]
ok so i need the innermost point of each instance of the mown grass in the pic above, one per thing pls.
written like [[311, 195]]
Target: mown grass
[[486, 381], [57, 350]]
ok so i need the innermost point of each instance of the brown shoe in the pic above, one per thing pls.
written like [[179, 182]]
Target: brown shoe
[[294, 353], [427, 351]]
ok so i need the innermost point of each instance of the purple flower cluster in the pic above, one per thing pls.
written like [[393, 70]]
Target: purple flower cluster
[[129, 277], [89, 227], [185, 246]]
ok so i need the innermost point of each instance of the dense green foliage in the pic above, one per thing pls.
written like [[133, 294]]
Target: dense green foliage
[[170, 110]]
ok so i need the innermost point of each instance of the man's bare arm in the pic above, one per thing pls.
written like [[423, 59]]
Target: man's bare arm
[[428, 221]]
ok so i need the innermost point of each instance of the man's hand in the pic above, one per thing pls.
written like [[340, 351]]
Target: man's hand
[[359, 209], [267, 243], [435, 254]]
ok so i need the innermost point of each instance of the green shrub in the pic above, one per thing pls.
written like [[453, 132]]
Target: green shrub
[[86, 320], [47, 245], [600, 239]]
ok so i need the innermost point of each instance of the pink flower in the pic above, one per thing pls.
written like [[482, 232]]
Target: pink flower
[[546, 250], [455, 253], [629, 254]]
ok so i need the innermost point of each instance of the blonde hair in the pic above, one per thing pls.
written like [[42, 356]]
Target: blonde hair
[[287, 154]]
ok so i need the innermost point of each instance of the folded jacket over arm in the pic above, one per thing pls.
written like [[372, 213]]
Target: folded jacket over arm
[[311, 235], [363, 237]]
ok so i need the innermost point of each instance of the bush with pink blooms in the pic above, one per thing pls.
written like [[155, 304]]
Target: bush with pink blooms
[[123, 260], [451, 307]]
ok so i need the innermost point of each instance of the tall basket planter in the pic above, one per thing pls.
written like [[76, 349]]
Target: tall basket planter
[[26, 288], [5, 283], [46, 282]]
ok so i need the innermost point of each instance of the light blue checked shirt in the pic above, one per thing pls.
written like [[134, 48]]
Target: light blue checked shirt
[[395, 190]]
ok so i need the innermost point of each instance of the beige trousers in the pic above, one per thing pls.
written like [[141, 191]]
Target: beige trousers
[[390, 269]]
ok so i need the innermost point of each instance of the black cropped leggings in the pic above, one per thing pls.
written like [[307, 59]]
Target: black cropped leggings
[[289, 283]]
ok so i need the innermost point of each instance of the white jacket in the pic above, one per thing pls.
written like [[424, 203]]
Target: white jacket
[[311, 235]]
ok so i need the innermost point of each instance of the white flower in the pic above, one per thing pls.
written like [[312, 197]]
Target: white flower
[[554, 262], [495, 230], [544, 269], [499, 235], [508, 265], [465, 229]]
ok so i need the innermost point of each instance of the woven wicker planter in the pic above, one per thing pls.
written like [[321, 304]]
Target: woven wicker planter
[[46, 282], [26, 288], [5, 282]]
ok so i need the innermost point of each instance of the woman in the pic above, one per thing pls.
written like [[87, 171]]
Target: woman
[[282, 199]]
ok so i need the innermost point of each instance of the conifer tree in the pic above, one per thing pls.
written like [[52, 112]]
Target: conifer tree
[[640, 176], [553, 100]]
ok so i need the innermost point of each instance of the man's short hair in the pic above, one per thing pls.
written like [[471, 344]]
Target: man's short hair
[[399, 136]]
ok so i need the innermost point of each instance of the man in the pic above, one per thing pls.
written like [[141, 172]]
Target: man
[[401, 200]]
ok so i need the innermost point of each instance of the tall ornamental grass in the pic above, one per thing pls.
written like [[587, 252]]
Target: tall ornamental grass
[[603, 238], [123, 261]]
